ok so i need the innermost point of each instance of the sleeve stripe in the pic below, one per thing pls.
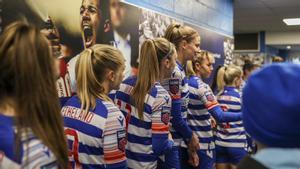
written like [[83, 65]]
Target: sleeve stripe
[[160, 127], [211, 105], [175, 96], [114, 157]]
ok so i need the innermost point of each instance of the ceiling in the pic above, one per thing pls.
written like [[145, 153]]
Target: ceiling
[[264, 15]]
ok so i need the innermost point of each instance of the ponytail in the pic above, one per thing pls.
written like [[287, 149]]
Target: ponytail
[[198, 58], [152, 53], [227, 75], [190, 69], [147, 76], [91, 69], [220, 78], [231, 73], [176, 32]]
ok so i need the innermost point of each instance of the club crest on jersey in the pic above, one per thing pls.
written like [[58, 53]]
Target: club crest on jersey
[[165, 115], [121, 135], [209, 96], [174, 86]]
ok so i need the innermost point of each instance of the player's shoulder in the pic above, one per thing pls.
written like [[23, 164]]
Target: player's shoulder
[[131, 80], [178, 73], [161, 92], [203, 86]]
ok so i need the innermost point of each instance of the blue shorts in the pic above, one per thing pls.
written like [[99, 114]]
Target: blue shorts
[[171, 160], [206, 159], [252, 148], [230, 154]]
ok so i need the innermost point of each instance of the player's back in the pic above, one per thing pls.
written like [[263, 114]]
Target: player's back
[[198, 115], [32, 152], [96, 139], [231, 134], [140, 131]]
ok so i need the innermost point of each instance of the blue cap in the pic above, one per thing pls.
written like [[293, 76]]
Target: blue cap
[[271, 105]]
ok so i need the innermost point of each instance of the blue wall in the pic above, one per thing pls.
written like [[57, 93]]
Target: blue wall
[[272, 51], [216, 15], [284, 53], [262, 41]]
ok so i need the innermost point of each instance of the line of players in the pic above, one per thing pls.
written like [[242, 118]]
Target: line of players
[[167, 116], [160, 118]]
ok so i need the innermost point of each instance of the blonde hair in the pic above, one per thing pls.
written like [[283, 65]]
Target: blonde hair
[[277, 59], [27, 76], [227, 75], [198, 58], [176, 33], [91, 69], [220, 78], [152, 53]]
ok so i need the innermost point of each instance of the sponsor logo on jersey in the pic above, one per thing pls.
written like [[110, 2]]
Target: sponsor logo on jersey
[[121, 120]]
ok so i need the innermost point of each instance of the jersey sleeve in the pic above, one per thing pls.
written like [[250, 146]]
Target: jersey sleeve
[[174, 87], [160, 124], [210, 101], [114, 140], [207, 97]]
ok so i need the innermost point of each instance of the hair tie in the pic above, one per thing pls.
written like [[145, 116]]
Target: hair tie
[[91, 51], [177, 25]]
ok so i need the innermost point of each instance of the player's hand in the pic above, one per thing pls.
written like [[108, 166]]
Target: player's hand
[[213, 122], [193, 158], [194, 143], [224, 107], [170, 137]]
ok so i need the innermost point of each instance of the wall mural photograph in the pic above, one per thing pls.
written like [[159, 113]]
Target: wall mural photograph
[[73, 25], [152, 84]]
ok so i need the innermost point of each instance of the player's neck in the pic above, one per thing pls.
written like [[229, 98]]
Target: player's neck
[[181, 59], [106, 85]]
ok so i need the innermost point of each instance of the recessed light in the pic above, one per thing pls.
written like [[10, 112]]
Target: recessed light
[[292, 21], [288, 47]]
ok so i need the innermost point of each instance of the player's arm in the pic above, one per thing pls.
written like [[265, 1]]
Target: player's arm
[[160, 125], [177, 121], [114, 141], [209, 100]]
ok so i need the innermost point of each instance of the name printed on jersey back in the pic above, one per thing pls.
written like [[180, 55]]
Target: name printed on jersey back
[[78, 114]]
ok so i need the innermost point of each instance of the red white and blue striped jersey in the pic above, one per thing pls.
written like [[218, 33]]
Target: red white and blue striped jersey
[[179, 73], [33, 153], [177, 86], [201, 101], [231, 134], [96, 139], [147, 137]]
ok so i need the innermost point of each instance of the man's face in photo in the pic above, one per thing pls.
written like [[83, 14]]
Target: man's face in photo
[[117, 13], [90, 19]]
